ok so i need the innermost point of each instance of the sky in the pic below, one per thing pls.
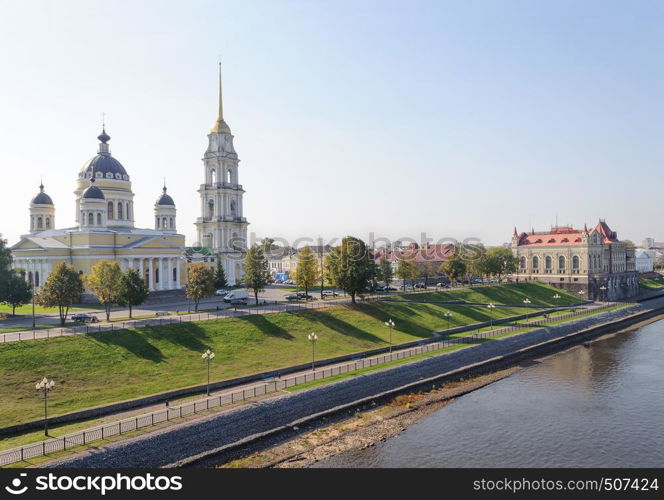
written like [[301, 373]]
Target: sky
[[455, 119]]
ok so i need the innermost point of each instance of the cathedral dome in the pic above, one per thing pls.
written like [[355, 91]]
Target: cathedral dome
[[42, 198], [165, 199], [93, 192], [103, 163]]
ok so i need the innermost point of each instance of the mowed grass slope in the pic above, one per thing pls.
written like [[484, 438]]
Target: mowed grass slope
[[513, 294], [101, 368]]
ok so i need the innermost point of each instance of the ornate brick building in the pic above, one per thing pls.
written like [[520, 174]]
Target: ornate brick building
[[592, 263]]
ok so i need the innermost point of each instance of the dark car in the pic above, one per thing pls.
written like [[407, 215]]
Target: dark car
[[291, 297], [84, 318]]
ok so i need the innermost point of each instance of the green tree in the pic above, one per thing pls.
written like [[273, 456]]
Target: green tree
[[16, 290], [407, 270], [427, 269], [454, 268], [350, 267], [105, 281], [5, 268], [220, 276], [133, 290], [62, 288], [256, 271], [385, 272], [268, 244], [499, 261], [306, 273], [200, 283]]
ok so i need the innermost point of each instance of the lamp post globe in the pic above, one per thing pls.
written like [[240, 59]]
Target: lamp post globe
[[313, 338], [208, 356], [390, 324], [45, 386]]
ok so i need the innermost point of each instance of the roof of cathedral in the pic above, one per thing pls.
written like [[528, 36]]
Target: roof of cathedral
[[165, 199], [93, 192], [42, 198], [103, 162]]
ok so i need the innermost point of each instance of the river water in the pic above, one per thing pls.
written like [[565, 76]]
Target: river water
[[597, 406]]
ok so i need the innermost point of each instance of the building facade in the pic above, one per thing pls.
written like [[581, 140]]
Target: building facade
[[104, 229], [221, 226], [592, 263]]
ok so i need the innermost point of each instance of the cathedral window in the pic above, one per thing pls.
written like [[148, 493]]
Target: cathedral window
[[172, 226], [561, 263], [99, 219], [548, 263], [40, 223], [575, 262], [110, 210], [120, 210], [175, 274], [163, 223], [229, 176], [213, 176], [211, 208], [127, 211], [158, 222], [48, 222], [30, 277], [91, 219], [535, 263], [233, 208], [36, 278]]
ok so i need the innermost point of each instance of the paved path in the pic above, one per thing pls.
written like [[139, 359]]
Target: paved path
[[172, 444]]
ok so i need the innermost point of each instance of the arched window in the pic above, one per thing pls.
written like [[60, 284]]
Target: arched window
[[158, 222], [548, 262], [535, 262], [128, 211], [36, 278], [233, 208], [110, 210], [48, 222], [30, 277], [40, 223], [175, 274], [211, 208], [163, 223], [561, 263], [91, 219], [575, 262], [120, 210], [156, 275], [99, 219], [229, 176], [213, 176], [172, 226], [522, 262]]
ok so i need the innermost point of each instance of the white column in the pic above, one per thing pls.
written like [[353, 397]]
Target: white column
[[169, 273], [150, 274], [177, 273], [160, 266]]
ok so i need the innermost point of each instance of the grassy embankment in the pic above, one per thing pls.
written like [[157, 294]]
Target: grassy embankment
[[654, 283], [101, 368]]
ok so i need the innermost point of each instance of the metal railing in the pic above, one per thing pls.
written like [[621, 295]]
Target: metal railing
[[277, 383]]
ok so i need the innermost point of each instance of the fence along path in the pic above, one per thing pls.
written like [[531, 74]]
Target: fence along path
[[233, 396]]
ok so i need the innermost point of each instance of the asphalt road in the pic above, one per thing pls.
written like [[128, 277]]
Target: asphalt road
[[173, 444]]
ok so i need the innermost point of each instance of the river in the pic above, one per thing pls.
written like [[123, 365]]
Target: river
[[596, 406]]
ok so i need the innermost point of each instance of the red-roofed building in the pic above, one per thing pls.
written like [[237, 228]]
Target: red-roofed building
[[593, 263], [428, 257]]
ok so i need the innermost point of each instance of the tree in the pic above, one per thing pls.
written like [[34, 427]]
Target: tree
[[105, 281], [499, 261], [256, 271], [220, 276], [385, 272], [16, 290], [62, 288], [200, 283], [306, 273], [5, 268], [268, 244], [407, 270], [133, 290], [349, 266], [427, 269], [454, 268]]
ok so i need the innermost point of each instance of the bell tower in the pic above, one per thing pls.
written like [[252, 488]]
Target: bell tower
[[222, 226]]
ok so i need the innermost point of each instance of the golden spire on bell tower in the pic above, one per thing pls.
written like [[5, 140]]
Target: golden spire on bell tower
[[220, 126]]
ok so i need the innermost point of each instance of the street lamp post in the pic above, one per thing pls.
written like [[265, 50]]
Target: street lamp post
[[557, 297], [390, 325], [527, 302], [45, 386], [208, 356], [491, 308], [604, 289], [312, 337], [447, 315]]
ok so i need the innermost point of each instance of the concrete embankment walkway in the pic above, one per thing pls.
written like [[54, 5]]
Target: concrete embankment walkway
[[171, 445]]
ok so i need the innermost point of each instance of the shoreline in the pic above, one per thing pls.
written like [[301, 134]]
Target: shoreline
[[373, 424]]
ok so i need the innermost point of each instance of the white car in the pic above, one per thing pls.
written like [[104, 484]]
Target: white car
[[221, 292]]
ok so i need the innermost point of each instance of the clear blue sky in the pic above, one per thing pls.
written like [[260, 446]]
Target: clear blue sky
[[457, 119]]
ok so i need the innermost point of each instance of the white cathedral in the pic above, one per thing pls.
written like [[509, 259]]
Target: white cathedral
[[105, 228]]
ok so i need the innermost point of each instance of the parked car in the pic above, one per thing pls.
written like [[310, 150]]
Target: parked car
[[84, 318], [221, 292], [330, 293], [291, 297], [304, 296], [390, 288], [419, 285]]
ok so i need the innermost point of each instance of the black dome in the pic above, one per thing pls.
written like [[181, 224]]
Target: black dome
[[93, 192], [105, 164], [42, 199], [165, 199]]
